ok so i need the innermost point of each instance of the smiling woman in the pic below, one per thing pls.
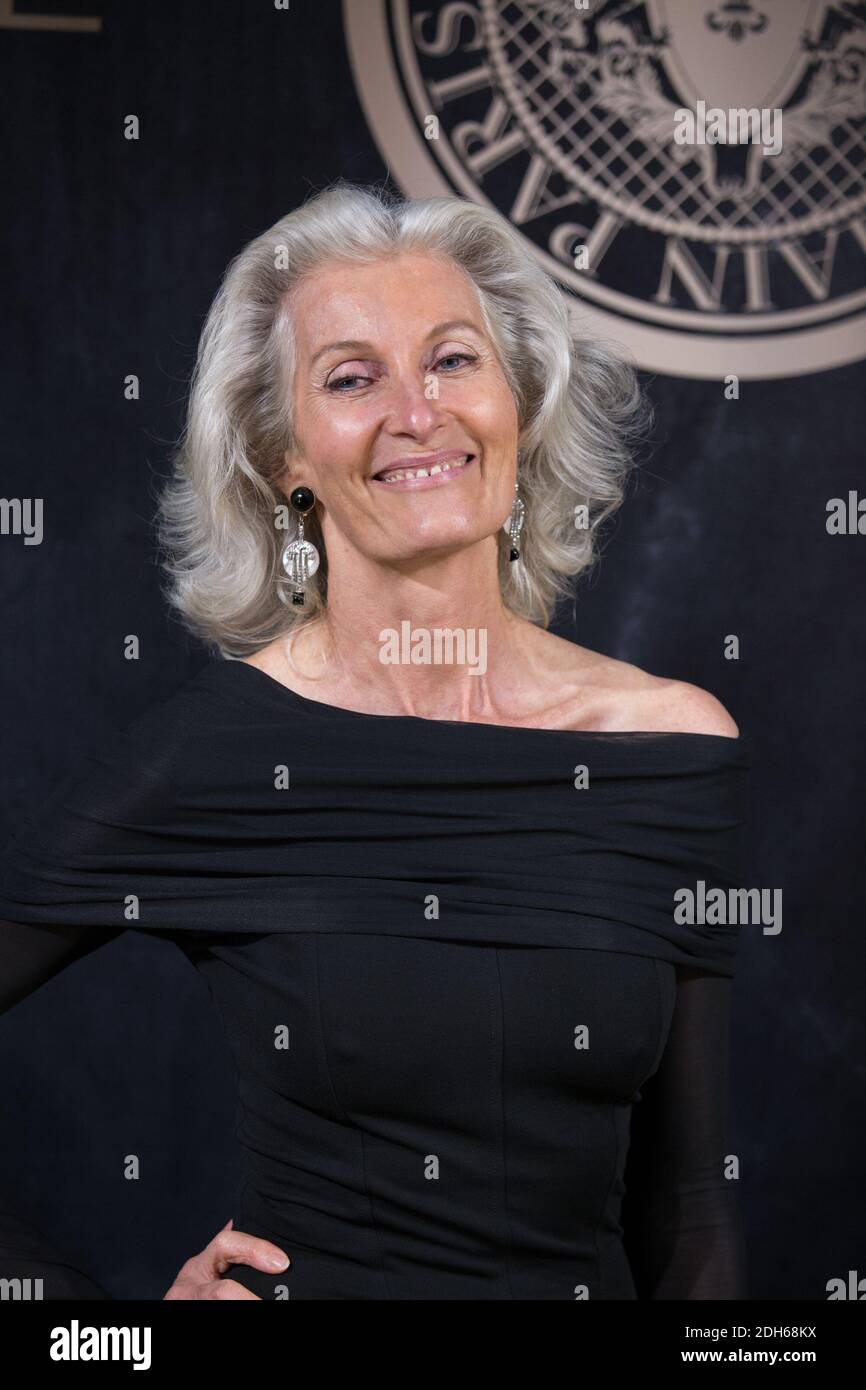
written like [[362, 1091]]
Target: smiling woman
[[435, 901], [380, 414], [363, 333]]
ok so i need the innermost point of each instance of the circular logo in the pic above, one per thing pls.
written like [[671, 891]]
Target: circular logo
[[693, 174]]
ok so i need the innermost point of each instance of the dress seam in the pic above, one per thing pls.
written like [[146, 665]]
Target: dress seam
[[599, 1264], [503, 1130], [240, 1106], [660, 1013], [346, 1120], [241, 1193], [618, 1141]]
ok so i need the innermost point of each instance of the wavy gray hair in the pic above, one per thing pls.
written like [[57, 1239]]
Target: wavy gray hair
[[580, 412]]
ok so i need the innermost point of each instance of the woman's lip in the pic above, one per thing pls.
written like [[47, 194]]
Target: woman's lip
[[449, 475]]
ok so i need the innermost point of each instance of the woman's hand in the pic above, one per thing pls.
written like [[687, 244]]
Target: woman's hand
[[200, 1276]]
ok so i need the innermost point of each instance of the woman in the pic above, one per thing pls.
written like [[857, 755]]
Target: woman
[[429, 857]]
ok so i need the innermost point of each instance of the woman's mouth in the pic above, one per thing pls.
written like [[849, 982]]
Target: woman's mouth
[[434, 471]]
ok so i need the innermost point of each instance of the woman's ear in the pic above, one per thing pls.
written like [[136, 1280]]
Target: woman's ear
[[286, 479]]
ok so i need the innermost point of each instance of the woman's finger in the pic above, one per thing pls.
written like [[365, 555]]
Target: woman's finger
[[238, 1248], [227, 1248], [196, 1290], [226, 1289]]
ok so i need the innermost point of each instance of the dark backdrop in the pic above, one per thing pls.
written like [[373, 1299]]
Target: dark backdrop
[[113, 251]]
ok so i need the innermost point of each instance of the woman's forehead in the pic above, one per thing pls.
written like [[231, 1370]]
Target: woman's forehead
[[416, 288]]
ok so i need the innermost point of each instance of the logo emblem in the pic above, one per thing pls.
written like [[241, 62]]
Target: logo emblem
[[716, 256]]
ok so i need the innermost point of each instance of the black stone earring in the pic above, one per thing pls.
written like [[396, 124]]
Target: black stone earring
[[514, 525], [300, 557]]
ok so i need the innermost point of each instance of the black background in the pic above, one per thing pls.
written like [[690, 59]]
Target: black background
[[113, 252]]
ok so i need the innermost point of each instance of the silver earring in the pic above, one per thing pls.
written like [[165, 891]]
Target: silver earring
[[514, 525], [300, 557]]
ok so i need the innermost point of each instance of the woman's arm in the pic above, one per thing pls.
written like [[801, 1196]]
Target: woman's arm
[[682, 1224], [30, 955], [26, 1254]]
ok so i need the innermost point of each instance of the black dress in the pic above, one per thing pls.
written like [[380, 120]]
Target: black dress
[[449, 959]]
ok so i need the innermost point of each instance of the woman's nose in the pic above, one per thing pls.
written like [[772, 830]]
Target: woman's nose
[[414, 404]]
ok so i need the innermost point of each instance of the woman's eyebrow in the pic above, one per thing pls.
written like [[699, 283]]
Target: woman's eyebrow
[[451, 325], [356, 345]]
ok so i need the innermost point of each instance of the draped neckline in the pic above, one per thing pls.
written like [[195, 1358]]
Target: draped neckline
[[269, 684]]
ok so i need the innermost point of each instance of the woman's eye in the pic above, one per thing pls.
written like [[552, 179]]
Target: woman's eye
[[458, 357], [344, 381], [343, 385]]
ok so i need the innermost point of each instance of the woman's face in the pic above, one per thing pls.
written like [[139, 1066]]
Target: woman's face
[[394, 367]]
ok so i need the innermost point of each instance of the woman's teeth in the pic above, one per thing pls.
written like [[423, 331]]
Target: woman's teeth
[[399, 473]]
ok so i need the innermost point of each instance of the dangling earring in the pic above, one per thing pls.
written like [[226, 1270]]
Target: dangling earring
[[300, 557], [514, 525]]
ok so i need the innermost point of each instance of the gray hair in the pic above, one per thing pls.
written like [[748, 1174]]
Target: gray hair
[[580, 412]]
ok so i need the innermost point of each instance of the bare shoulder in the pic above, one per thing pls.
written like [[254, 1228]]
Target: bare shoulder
[[679, 707], [619, 696]]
